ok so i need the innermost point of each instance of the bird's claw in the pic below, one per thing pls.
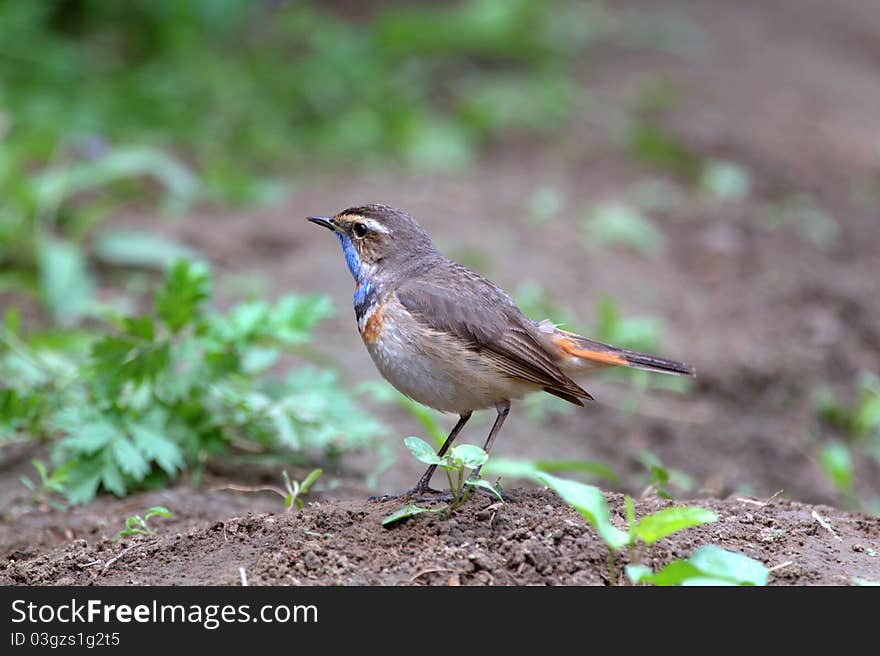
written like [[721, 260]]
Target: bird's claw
[[416, 494]]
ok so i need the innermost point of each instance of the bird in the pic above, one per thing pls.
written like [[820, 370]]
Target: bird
[[450, 339]]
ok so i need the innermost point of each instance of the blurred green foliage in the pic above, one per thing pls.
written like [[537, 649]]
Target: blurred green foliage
[[850, 431], [166, 103], [241, 87], [154, 394], [47, 216]]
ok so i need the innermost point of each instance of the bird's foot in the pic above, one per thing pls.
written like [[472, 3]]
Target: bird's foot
[[419, 493]]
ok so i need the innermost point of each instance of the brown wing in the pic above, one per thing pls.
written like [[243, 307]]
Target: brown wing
[[480, 314]]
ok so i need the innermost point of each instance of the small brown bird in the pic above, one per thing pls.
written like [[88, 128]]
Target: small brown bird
[[450, 339]]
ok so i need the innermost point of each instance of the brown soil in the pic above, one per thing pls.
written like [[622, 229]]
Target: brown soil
[[533, 539], [787, 90]]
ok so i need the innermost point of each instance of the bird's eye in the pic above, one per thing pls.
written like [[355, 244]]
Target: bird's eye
[[359, 229]]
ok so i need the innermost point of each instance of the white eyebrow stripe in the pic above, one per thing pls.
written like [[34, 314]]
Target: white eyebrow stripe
[[375, 225]]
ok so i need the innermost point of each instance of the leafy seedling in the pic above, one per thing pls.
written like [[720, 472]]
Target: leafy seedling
[[622, 224], [296, 490], [591, 504], [661, 477], [708, 565], [137, 525], [460, 464], [855, 427], [48, 485]]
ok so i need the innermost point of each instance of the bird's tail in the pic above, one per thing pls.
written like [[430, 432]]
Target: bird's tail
[[578, 353]]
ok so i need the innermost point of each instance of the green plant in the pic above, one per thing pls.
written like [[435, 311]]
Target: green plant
[[49, 232], [296, 490], [802, 213], [591, 504], [48, 485], [137, 525], [622, 224], [848, 430], [859, 420], [660, 478], [160, 392], [708, 565], [459, 464], [235, 83]]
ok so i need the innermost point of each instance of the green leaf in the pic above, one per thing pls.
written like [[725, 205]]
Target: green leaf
[[590, 502], [82, 484], [586, 466], [155, 446], [129, 458], [293, 318], [138, 248], [725, 180], [405, 512], [91, 437], [141, 327], [707, 581], [66, 286], [509, 468], [486, 485], [637, 573], [658, 525], [674, 573], [187, 286], [112, 479], [54, 186], [620, 224], [422, 451], [715, 562], [309, 480], [836, 462], [157, 511], [470, 455]]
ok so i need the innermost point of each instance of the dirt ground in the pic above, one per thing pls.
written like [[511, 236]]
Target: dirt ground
[[533, 539], [786, 89]]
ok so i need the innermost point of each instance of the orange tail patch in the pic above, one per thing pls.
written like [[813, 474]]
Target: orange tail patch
[[603, 358]]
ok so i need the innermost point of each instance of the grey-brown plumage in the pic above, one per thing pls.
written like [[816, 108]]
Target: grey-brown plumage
[[449, 338], [454, 299]]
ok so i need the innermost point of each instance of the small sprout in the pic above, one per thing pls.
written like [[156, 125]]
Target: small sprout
[[622, 224], [296, 490], [49, 486], [836, 463], [137, 525], [725, 181]]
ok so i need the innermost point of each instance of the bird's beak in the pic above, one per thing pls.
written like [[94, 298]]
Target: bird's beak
[[324, 221]]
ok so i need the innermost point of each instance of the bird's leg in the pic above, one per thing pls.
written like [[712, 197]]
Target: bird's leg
[[423, 485], [503, 409]]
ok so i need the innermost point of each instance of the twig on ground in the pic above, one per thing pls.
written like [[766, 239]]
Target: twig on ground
[[778, 567], [824, 524], [250, 488], [761, 504], [244, 581], [123, 552], [430, 571]]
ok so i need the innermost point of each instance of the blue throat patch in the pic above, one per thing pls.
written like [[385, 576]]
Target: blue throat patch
[[352, 259]]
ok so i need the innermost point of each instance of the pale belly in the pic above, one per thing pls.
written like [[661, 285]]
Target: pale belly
[[437, 372]]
